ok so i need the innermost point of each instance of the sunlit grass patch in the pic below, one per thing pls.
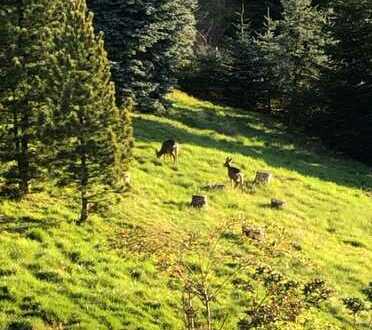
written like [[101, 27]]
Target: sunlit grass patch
[[53, 272]]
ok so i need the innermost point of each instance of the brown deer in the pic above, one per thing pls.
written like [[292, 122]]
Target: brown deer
[[234, 173], [170, 148]]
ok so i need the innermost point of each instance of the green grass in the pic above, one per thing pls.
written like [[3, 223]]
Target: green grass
[[56, 275]]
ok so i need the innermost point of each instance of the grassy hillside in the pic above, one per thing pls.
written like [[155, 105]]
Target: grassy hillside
[[117, 271]]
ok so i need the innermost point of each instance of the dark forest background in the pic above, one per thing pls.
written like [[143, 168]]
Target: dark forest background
[[337, 106]]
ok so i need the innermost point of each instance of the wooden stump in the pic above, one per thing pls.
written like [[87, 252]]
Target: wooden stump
[[277, 203], [199, 201], [263, 178], [253, 233]]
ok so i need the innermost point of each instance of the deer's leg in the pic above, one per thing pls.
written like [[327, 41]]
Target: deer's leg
[[174, 156]]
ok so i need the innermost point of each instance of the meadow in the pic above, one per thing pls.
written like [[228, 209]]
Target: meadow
[[118, 270]]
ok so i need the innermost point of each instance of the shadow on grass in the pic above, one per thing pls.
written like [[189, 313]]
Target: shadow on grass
[[274, 152], [21, 225]]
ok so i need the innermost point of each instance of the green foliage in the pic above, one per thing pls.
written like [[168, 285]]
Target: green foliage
[[345, 118], [92, 137], [208, 76], [246, 74], [368, 292], [216, 18], [316, 292], [354, 305], [147, 42], [27, 29], [283, 301], [295, 48]]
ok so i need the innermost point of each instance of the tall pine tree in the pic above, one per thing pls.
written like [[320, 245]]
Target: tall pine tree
[[245, 83], [26, 37], [296, 48], [147, 41], [346, 118], [92, 137], [269, 50]]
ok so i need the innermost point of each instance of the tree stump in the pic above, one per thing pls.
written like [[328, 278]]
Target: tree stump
[[199, 201], [263, 178], [277, 203], [256, 234]]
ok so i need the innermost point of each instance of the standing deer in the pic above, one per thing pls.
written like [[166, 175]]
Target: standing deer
[[170, 148], [234, 173]]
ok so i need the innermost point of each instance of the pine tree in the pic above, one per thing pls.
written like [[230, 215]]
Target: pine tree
[[216, 17], [26, 31], [245, 84], [346, 118], [269, 52], [147, 42], [92, 137], [296, 48]]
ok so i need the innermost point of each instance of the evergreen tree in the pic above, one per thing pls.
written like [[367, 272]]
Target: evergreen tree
[[296, 48], [269, 52], [147, 41], [216, 17], [346, 118], [257, 10], [92, 137], [245, 84], [26, 37]]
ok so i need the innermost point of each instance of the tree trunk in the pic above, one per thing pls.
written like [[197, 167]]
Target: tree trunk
[[84, 207], [269, 100], [24, 157], [21, 130], [189, 310], [83, 187], [208, 309], [209, 314]]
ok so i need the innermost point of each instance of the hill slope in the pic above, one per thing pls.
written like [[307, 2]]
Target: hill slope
[[110, 273]]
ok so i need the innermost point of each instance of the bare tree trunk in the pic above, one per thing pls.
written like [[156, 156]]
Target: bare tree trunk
[[189, 311], [208, 309]]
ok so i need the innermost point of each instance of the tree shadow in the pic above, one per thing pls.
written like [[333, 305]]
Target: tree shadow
[[21, 225], [279, 149]]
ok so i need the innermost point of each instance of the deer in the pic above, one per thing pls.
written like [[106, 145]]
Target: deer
[[170, 148], [234, 173]]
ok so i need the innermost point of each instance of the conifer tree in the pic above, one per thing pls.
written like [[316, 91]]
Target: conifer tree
[[92, 137], [346, 119], [26, 37], [269, 52], [245, 83], [147, 41], [296, 48]]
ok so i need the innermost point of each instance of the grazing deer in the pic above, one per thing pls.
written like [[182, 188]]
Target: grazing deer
[[170, 148], [234, 173]]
